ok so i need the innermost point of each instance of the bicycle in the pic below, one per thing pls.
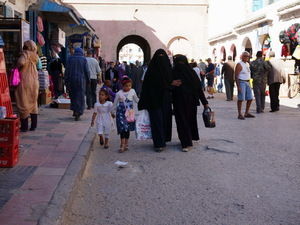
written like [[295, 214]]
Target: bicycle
[[294, 89]]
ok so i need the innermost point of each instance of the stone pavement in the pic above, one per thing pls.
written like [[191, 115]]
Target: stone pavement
[[52, 159], [45, 156]]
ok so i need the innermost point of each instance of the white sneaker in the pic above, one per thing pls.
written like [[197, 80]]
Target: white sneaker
[[185, 149]]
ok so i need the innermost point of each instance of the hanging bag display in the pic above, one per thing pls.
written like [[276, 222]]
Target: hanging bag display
[[208, 117], [143, 126], [15, 77]]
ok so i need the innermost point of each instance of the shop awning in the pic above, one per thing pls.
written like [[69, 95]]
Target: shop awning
[[56, 13], [81, 28]]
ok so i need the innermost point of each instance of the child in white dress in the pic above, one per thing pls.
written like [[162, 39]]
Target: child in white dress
[[102, 110]]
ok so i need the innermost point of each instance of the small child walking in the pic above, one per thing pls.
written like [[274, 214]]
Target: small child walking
[[124, 100], [102, 109]]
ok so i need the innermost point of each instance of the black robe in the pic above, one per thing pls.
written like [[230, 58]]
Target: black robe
[[185, 101], [156, 98]]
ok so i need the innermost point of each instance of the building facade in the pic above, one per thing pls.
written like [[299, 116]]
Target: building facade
[[249, 25], [151, 24], [252, 25]]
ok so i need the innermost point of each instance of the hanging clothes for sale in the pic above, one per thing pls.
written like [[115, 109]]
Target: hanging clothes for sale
[[285, 50]]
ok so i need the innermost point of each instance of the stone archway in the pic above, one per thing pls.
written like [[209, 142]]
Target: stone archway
[[247, 45], [138, 40], [233, 52], [180, 45], [223, 53]]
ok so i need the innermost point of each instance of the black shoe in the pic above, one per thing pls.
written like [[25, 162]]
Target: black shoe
[[159, 149], [76, 114], [23, 130], [272, 111], [32, 129]]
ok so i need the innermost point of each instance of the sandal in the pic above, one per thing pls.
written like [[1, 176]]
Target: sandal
[[121, 149], [126, 148], [249, 115], [240, 117], [106, 146]]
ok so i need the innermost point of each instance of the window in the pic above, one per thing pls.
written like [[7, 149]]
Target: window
[[272, 1], [257, 4]]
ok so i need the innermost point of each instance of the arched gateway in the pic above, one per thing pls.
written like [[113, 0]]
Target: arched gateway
[[138, 40]]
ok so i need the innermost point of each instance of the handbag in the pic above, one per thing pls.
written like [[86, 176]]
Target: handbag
[[143, 126], [15, 77], [208, 116], [129, 112]]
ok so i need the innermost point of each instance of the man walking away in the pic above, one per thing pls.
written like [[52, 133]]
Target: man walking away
[[95, 75], [242, 77], [276, 77], [259, 72], [209, 73], [228, 73]]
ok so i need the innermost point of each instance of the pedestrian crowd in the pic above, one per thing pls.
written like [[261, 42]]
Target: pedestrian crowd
[[165, 87]]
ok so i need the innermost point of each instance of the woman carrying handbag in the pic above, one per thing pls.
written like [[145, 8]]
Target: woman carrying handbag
[[185, 101]]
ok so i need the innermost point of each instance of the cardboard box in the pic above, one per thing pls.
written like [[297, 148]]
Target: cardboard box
[[45, 97], [64, 103]]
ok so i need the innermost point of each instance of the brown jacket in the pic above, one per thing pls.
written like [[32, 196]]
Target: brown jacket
[[228, 70], [28, 89]]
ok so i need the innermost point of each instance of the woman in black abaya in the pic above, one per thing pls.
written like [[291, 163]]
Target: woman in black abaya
[[185, 101], [156, 98]]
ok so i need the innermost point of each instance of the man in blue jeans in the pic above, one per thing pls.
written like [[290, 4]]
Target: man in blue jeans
[[242, 78]]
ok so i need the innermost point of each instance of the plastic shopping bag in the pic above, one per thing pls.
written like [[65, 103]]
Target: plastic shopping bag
[[142, 126], [15, 77]]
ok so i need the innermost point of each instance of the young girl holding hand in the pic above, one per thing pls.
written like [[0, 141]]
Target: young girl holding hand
[[124, 99], [102, 110]]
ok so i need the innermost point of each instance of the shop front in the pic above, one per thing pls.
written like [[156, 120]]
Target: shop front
[[14, 32]]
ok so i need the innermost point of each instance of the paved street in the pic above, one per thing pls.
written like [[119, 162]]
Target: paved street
[[241, 172], [227, 178], [45, 166]]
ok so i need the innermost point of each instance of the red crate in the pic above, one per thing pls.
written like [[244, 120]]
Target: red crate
[[5, 99], [9, 131], [9, 155]]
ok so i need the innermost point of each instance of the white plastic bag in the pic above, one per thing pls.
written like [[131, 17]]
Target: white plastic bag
[[142, 126]]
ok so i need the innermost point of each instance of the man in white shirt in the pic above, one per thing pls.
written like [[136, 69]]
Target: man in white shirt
[[242, 78], [95, 75]]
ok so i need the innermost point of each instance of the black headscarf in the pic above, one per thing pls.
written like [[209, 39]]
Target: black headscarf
[[190, 82], [157, 80]]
